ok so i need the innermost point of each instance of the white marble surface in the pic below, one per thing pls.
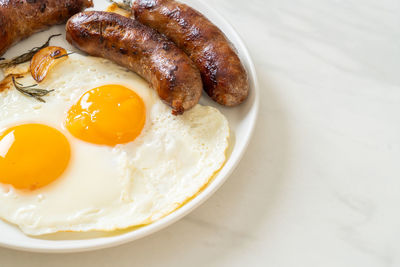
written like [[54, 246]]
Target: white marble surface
[[319, 185]]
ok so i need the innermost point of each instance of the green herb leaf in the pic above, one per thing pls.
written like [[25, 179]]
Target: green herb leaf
[[31, 91], [27, 56]]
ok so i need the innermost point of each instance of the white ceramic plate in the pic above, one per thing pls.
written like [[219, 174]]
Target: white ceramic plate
[[242, 120]]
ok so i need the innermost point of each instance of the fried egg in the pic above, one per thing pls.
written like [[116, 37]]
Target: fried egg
[[103, 153]]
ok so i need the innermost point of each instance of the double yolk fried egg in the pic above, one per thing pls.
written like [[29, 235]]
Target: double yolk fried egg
[[103, 153]]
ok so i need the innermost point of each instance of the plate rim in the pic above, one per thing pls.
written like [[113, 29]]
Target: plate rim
[[107, 242]]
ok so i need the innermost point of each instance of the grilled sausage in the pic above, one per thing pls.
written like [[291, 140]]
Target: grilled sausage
[[21, 18], [224, 77], [142, 50]]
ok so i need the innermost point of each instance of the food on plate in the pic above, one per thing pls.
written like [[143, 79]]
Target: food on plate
[[7, 82], [116, 9], [45, 59], [103, 153], [11, 81], [33, 156], [21, 18], [224, 76], [25, 57], [42, 59], [141, 49], [29, 90]]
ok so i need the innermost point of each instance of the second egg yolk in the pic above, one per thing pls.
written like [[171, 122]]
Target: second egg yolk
[[107, 115], [32, 156]]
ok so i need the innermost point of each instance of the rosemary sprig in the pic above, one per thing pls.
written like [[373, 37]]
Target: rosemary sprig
[[31, 91], [27, 56]]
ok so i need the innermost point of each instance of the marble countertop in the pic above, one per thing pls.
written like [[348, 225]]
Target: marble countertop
[[319, 184]]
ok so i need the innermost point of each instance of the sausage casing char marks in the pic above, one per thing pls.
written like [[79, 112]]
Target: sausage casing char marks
[[22, 18], [224, 77], [141, 49]]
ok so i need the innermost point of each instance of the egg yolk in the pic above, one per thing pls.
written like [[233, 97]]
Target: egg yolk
[[107, 115], [32, 156]]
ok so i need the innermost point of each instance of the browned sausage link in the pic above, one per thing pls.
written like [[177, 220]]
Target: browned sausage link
[[141, 49], [224, 77], [22, 18]]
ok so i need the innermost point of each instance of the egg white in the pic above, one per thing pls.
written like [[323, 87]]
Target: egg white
[[108, 188]]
